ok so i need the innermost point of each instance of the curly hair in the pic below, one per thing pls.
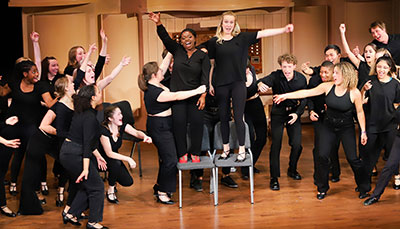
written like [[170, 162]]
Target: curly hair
[[349, 74]]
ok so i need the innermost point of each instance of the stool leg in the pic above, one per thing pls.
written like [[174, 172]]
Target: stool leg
[[251, 184], [216, 186], [180, 188]]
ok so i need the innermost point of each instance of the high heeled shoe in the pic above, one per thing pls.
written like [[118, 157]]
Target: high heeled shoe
[[67, 219], [43, 200], [59, 201], [44, 189], [91, 226], [396, 186], [224, 155], [370, 201], [8, 214], [114, 200], [168, 202], [241, 157], [156, 189], [13, 189]]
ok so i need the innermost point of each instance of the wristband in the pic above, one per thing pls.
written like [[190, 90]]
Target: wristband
[[364, 132]]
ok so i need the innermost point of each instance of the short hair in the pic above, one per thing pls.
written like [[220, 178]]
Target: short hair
[[289, 58], [377, 23], [188, 30], [327, 64], [334, 47]]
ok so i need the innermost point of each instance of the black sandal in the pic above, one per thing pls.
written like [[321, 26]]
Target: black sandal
[[241, 157], [224, 155]]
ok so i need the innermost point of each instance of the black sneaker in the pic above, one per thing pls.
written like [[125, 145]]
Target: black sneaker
[[229, 182], [198, 185]]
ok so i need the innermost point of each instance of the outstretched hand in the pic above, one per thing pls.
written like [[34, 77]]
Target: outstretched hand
[[35, 36], [289, 28], [147, 139], [125, 60], [279, 98], [155, 17]]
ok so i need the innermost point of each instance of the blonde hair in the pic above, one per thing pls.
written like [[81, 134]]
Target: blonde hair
[[60, 85], [289, 58], [236, 29], [349, 74]]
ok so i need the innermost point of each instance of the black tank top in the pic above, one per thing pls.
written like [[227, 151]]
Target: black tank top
[[339, 109]]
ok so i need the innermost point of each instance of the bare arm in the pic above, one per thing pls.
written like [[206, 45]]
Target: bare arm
[[104, 40], [137, 133], [48, 100], [36, 52], [165, 63], [108, 79], [105, 142], [346, 47], [87, 57], [320, 89], [272, 32], [167, 96], [211, 90], [45, 125], [355, 93]]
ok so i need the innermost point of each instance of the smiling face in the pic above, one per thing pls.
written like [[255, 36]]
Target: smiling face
[[228, 24], [116, 117], [80, 54], [288, 69], [369, 54], [379, 34], [89, 74], [382, 70], [332, 56], [53, 67], [32, 76], [326, 74], [337, 76], [188, 40]]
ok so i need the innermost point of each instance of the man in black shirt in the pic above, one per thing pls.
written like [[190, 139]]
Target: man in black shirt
[[286, 114], [384, 40]]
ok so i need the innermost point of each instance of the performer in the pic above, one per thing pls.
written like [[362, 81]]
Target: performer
[[286, 114], [157, 99], [384, 40], [341, 96], [111, 140]]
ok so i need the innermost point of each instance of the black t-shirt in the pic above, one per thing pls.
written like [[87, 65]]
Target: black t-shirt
[[150, 100], [115, 145], [281, 85], [231, 57], [50, 83], [85, 130], [393, 46], [63, 119], [380, 111], [363, 74], [187, 73], [27, 105], [316, 103]]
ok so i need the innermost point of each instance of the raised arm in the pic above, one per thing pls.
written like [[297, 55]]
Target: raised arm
[[320, 89], [104, 40], [167, 96], [36, 52], [108, 79], [165, 63], [350, 54], [170, 44], [272, 32], [81, 71]]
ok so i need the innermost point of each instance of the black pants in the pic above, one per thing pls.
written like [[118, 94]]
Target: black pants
[[186, 112], [39, 144], [5, 160], [371, 151], [391, 167], [257, 122], [334, 157], [160, 130], [22, 132], [329, 136], [91, 191], [236, 91], [117, 172], [278, 122]]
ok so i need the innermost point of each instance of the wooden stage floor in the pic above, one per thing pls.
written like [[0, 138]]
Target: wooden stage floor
[[295, 205]]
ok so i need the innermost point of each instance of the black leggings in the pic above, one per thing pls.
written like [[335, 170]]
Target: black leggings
[[184, 112], [91, 191], [237, 91], [391, 168], [329, 137], [5, 160], [39, 144], [160, 130], [117, 172], [371, 151]]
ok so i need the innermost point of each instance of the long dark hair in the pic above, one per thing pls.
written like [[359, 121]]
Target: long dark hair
[[45, 67], [82, 100], [108, 113]]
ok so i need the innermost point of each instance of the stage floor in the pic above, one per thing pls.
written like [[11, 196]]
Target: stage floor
[[295, 205]]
